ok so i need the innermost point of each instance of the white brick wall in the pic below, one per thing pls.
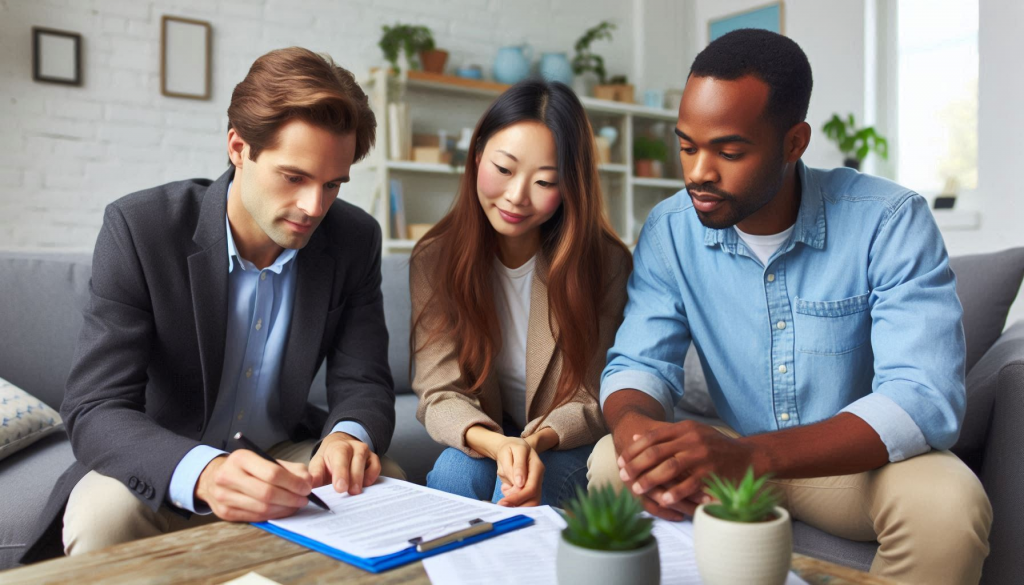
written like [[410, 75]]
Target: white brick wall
[[66, 152]]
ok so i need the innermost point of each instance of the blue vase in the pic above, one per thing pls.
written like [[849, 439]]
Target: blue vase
[[512, 64], [556, 67]]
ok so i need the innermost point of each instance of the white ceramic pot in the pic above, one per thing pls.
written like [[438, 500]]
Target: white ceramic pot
[[577, 565], [737, 553]]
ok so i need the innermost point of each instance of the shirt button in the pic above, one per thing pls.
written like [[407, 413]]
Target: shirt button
[[782, 369], [785, 416], [771, 278], [259, 324], [263, 276], [781, 325], [241, 415], [248, 373]]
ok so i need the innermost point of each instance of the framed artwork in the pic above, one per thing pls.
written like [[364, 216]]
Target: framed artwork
[[185, 58], [56, 56], [768, 17]]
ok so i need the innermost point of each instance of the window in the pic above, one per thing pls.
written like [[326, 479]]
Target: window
[[937, 117]]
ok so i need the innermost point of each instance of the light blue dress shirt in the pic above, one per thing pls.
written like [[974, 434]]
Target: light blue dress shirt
[[259, 314], [857, 312]]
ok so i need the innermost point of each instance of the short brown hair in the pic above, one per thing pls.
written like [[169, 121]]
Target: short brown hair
[[298, 83]]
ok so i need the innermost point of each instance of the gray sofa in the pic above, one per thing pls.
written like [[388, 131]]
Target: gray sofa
[[42, 294]]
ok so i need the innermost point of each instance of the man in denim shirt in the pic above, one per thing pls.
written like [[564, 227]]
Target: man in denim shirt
[[825, 316]]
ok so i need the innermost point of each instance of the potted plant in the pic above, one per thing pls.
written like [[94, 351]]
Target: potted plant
[[649, 154], [586, 64], [408, 40], [607, 541], [744, 537], [855, 143]]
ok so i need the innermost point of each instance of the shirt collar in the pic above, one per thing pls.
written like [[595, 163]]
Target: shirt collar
[[234, 257], [810, 219]]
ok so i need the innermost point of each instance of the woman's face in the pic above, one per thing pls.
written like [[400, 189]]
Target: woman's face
[[517, 179]]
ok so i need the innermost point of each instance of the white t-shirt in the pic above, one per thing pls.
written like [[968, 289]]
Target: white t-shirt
[[512, 301], [764, 246]]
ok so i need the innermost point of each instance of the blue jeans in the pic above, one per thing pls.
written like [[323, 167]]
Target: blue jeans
[[457, 473]]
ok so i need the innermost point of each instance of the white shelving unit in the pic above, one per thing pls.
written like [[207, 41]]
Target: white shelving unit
[[442, 103]]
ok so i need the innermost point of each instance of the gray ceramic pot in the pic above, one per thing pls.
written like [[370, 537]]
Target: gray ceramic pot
[[598, 567]]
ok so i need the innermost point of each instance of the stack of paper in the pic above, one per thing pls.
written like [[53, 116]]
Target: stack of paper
[[381, 520], [528, 555]]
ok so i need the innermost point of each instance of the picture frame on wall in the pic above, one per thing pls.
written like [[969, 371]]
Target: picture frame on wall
[[56, 56], [768, 17], [185, 57]]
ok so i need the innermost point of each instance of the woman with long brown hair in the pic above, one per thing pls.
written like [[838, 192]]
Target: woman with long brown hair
[[517, 294]]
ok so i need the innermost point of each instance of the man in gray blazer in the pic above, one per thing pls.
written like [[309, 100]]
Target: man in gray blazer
[[212, 307]]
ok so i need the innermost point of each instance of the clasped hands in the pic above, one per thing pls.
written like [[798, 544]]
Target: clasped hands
[[665, 464], [244, 487]]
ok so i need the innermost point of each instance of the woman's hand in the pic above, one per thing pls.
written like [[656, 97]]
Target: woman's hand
[[521, 472]]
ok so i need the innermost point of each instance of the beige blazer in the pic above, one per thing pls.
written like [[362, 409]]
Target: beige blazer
[[448, 411]]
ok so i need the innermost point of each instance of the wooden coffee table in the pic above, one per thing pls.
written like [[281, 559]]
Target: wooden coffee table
[[221, 551]]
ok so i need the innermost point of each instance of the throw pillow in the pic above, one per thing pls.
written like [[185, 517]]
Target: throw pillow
[[24, 419], [987, 285]]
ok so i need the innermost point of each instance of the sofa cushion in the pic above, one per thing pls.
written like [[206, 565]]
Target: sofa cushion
[[983, 383], [398, 315], [987, 285], [40, 316], [24, 419], [411, 447], [26, 480]]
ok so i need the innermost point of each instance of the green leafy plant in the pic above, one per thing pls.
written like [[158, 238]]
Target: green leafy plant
[[604, 520], [407, 38], [647, 148], [855, 143], [749, 500], [585, 60]]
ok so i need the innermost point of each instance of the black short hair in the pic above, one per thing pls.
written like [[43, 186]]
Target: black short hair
[[774, 59]]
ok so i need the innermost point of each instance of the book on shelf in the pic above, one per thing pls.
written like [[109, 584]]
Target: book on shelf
[[399, 131], [397, 210]]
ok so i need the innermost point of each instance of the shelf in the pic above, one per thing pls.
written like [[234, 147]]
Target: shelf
[[613, 168], [659, 183], [420, 167], [455, 84], [957, 219], [609, 107]]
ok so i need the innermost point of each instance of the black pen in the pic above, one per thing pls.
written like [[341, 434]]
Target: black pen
[[252, 447]]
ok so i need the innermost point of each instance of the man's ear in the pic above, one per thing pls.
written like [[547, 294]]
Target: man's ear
[[236, 148], [796, 142]]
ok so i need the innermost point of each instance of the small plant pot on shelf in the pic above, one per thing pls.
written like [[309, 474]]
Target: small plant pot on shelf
[[651, 169], [433, 61], [576, 564], [743, 553]]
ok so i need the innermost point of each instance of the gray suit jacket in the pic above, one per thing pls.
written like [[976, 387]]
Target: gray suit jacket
[[149, 358]]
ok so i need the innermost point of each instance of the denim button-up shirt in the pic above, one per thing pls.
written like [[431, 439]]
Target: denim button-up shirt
[[857, 312]]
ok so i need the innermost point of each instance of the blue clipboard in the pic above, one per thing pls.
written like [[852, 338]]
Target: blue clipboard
[[402, 557]]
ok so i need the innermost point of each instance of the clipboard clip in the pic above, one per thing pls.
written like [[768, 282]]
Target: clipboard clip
[[476, 526]]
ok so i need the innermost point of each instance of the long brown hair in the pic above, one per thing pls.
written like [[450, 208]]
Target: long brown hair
[[573, 240]]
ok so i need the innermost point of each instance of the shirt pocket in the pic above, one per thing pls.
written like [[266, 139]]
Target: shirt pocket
[[832, 327]]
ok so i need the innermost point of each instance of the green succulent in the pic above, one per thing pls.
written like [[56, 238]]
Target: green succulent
[[585, 60], [604, 520], [855, 142], [646, 148], [750, 500], [407, 38]]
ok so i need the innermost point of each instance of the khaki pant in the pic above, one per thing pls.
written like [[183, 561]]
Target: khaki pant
[[929, 514], [103, 512]]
